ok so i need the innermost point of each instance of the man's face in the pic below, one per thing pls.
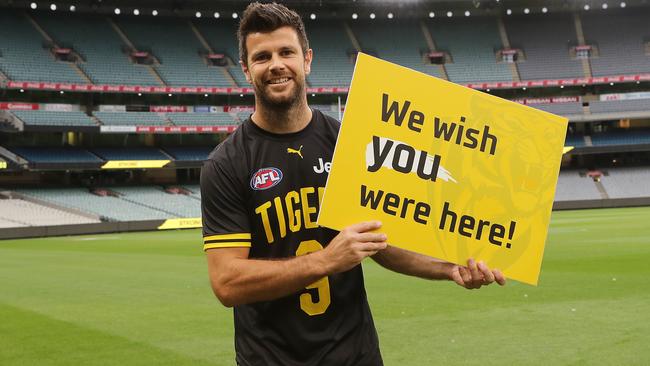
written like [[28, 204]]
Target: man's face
[[277, 67]]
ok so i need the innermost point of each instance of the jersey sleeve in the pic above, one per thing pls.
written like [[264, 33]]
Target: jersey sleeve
[[223, 208]]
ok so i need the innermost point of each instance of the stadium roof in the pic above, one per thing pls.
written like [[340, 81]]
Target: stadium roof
[[326, 8]]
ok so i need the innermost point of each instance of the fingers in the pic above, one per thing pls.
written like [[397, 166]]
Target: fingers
[[365, 226], [370, 237], [499, 277], [488, 276], [476, 277]]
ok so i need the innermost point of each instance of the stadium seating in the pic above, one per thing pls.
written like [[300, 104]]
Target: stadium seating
[[572, 187], [177, 205], [575, 141], [332, 66], [627, 182], [9, 223], [47, 118], [131, 118], [131, 153], [108, 207], [22, 56], [189, 153], [25, 213], [221, 36], [546, 41], [639, 105], [562, 109], [56, 154], [619, 39], [100, 46], [472, 44], [398, 42], [202, 119], [176, 47], [633, 137]]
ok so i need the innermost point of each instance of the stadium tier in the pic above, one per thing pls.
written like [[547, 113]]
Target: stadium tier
[[128, 204], [177, 205], [176, 50], [189, 153], [202, 119], [56, 155], [545, 42], [47, 118], [621, 138], [332, 64], [22, 55], [563, 109], [96, 41], [220, 36], [640, 105], [132, 153], [131, 118], [17, 212], [627, 182], [571, 186], [400, 42], [471, 44], [619, 41]]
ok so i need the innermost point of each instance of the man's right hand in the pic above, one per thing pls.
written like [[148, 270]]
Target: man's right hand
[[352, 245]]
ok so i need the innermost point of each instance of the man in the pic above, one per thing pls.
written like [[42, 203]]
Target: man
[[296, 288]]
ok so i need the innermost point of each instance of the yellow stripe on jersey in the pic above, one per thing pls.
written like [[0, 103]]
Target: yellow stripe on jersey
[[227, 245], [239, 240], [228, 237]]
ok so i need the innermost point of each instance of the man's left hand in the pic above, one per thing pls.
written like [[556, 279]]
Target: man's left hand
[[476, 275]]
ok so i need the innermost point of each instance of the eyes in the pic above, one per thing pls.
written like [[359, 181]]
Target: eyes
[[266, 56]]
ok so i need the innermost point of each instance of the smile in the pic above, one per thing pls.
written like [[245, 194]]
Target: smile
[[278, 81]]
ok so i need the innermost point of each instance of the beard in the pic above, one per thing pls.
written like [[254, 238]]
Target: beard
[[280, 104]]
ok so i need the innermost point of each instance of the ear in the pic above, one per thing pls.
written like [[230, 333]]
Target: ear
[[244, 69], [309, 55]]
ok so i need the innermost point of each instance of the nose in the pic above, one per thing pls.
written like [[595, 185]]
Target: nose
[[276, 63]]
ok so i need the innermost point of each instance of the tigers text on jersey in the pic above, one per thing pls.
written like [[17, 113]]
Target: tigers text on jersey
[[262, 191]]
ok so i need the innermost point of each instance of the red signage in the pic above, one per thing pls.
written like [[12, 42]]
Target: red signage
[[186, 129], [321, 90], [168, 108], [19, 106]]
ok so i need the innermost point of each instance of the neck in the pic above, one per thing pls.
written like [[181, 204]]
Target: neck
[[286, 120]]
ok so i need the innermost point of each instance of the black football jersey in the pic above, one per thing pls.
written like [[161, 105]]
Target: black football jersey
[[263, 190]]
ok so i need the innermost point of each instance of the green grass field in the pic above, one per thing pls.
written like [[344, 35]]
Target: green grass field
[[144, 299]]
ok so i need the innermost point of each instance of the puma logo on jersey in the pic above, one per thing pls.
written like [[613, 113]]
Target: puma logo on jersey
[[294, 151], [322, 166]]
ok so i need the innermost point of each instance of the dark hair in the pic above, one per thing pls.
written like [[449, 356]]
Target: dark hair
[[266, 18]]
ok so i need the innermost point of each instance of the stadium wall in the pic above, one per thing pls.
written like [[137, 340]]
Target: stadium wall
[[151, 225], [79, 229], [601, 203]]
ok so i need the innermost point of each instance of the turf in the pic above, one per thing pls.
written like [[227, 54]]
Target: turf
[[144, 299]]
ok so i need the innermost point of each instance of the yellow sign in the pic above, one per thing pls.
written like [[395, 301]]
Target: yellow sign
[[184, 223], [3, 164], [451, 172], [134, 164]]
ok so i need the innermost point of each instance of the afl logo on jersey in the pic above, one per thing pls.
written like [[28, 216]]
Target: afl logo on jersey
[[266, 178]]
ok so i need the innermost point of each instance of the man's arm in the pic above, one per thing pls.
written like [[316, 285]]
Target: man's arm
[[237, 280], [410, 263]]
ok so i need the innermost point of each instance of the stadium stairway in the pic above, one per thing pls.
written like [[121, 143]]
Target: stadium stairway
[[51, 40], [156, 75], [224, 70]]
